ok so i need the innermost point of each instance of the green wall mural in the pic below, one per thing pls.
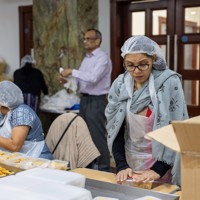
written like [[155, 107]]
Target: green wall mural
[[58, 28]]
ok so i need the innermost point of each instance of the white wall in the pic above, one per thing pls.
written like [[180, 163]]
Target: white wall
[[9, 30], [104, 24]]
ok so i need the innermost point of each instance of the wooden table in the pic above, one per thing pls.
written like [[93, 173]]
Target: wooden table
[[110, 177]]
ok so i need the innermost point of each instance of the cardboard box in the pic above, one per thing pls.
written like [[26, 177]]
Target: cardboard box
[[184, 137]]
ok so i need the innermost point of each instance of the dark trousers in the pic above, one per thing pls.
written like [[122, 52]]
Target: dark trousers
[[92, 109]]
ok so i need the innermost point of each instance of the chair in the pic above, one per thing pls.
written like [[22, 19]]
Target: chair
[[76, 145]]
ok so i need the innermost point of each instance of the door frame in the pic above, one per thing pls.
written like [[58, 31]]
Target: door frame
[[121, 27], [192, 38], [121, 30], [25, 30]]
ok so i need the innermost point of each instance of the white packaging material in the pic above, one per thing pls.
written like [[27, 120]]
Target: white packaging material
[[18, 187], [58, 102], [13, 193], [62, 192], [53, 175], [20, 182]]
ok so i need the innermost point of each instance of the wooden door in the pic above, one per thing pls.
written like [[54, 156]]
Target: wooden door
[[188, 51], [26, 30], [169, 23]]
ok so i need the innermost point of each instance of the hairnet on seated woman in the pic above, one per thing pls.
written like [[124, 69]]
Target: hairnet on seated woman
[[10, 95], [143, 44]]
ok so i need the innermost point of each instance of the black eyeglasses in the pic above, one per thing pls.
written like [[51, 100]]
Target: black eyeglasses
[[89, 38], [131, 67]]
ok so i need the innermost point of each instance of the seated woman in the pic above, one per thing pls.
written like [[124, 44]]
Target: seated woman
[[20, 127], [69, 139]]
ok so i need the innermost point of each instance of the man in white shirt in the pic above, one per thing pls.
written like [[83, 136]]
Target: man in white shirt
[[94, 80]]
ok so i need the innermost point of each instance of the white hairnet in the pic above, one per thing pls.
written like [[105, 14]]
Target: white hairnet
[[27, 59], [10, 95], [143, 44]]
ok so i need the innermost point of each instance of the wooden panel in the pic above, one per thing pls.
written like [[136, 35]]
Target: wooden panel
[[121, 25], [26, 30], [110, 177]]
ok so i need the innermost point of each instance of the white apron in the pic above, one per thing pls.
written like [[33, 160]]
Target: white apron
[[30, 148], [138, 149]]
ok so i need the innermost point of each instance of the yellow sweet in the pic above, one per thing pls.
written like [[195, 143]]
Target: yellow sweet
[[4, 172]]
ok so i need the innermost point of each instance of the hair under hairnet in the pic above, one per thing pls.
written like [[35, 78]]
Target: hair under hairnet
[[143, 44], [27, 59], [10, 95]]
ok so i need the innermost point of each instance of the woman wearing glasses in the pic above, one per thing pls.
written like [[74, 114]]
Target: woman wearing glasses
[[144, 98]]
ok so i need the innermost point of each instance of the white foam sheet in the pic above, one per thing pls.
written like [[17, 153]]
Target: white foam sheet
[[29, 188], [63, 192], [53, 175], [16, 193]]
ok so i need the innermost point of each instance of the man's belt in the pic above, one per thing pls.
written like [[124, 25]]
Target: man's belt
[[86, 94]]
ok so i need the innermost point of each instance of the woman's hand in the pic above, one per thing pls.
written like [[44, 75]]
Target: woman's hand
[[124, 175], [145, 176]]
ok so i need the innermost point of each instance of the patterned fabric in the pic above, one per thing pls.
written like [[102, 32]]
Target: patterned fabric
[[76, 146], [24, 115], [31, 100], [171, 106]]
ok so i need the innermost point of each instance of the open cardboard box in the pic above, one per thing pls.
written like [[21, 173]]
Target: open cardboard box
[[184, 137]]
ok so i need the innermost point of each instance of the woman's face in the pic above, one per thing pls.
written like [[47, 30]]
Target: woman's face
[[139, 66]]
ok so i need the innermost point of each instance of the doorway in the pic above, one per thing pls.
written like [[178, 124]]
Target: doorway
[[175, 26], [25, 30]]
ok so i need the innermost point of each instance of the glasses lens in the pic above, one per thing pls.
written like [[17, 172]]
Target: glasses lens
[[128, 67], [141, 67], [89, 38]]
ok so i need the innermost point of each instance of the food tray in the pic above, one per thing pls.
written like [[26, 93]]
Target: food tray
[[5, 156], [10, 168], [123, 192], [59, 164]]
